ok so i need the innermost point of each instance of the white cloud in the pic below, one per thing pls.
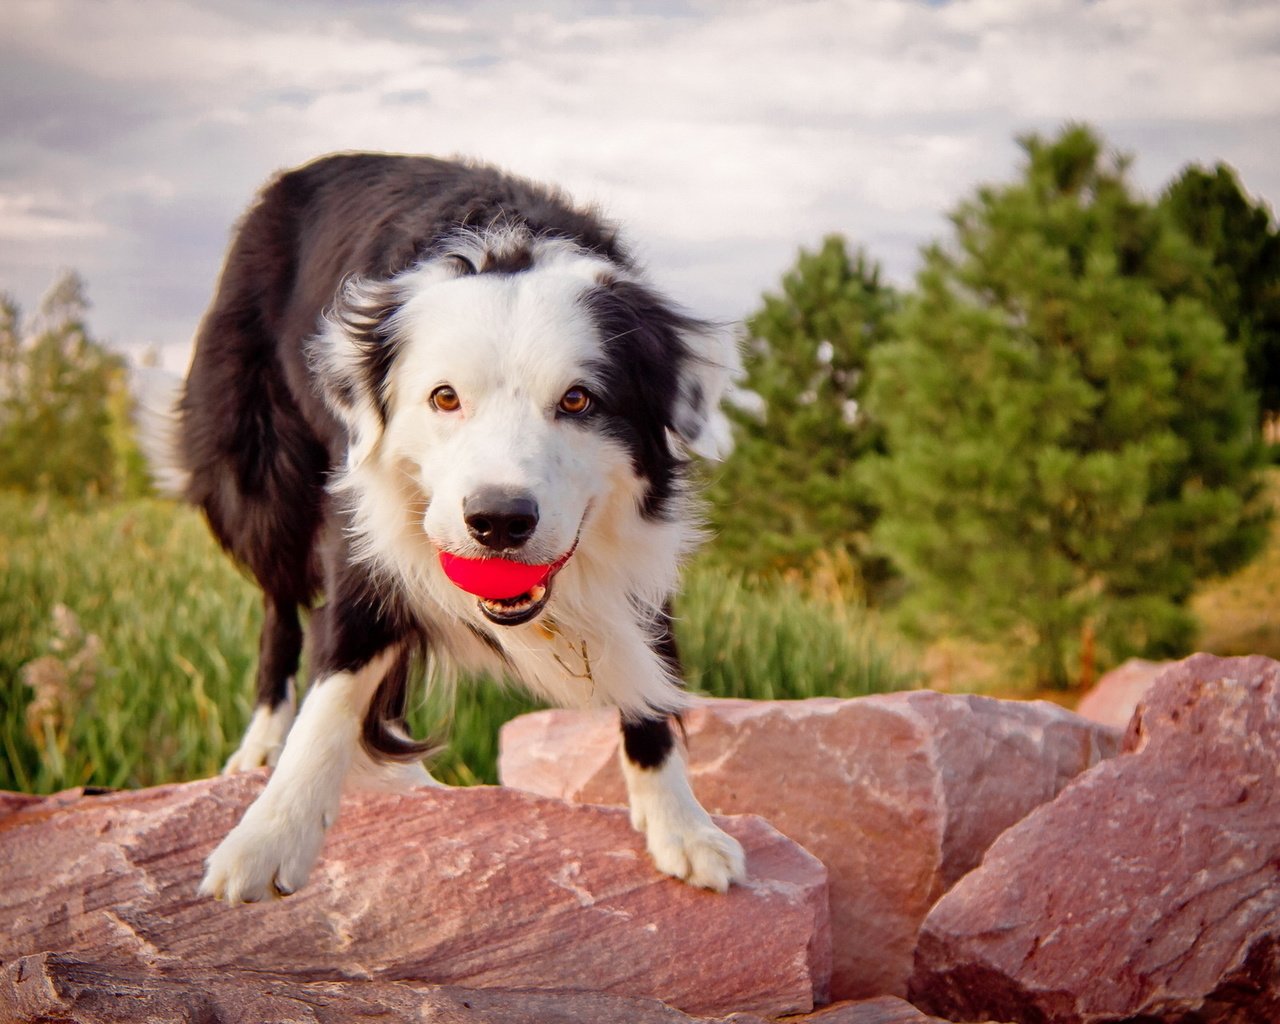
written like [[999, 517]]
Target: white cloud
[[723, 136], [46, 216]]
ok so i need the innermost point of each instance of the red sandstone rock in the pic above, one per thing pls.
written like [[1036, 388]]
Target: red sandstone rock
[[482, 888], [10, 802], [56, 988], [881, 1010], [53, 988], [1115, 696], [899, 795], [1150, 889]]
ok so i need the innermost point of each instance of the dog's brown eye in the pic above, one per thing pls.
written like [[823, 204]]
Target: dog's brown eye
[[575, 402], [445, 399]]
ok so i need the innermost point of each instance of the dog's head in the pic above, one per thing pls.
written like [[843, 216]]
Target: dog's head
[[521, 391]]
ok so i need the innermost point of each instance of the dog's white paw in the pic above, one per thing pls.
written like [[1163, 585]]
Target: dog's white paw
[[267, 854], [682, 839], [264, 739], [702, 855]]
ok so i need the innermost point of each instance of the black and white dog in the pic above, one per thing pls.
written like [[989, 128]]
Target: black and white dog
[[416, 373]]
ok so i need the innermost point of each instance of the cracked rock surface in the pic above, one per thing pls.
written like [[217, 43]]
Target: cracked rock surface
[[482, 888], [898, 794], [60, 989], [1149, 890]]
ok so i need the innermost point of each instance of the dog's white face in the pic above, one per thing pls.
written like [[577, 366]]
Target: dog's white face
[[488, 410], [513, 414]]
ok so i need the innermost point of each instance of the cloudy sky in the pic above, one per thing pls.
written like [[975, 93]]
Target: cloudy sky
[[722, 135]]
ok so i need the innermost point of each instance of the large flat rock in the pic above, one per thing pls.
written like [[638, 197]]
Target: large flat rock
[[57, 988], [1148, 890], [482, 888], [899, 795]]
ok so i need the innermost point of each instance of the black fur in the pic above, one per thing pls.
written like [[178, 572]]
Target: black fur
[[259, 441], [642, 336], [647, 742], [371, 328]]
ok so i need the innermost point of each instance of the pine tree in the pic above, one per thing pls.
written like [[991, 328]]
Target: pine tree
[[1240, 239], [10, 346], [1068, 432], [788, 492]]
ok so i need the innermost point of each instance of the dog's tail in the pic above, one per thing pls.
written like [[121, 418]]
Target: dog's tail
[[156, 393]]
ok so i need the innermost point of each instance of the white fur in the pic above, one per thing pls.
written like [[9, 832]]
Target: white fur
[[264, 739], [387, 776], [682, 839], [715, 369], [272, 850], [155, 416]]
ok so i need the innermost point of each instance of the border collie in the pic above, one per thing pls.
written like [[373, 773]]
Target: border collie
[[440, 407]]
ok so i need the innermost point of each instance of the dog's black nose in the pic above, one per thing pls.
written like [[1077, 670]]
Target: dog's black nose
[[501, 520]]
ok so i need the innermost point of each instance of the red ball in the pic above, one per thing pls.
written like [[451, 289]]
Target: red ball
[[493, 578]]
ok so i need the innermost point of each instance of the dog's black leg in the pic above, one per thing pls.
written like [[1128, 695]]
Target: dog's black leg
[[648, 742], [278, 651], [279, 648]]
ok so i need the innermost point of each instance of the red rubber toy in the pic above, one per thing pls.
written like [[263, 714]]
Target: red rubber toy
[[494, 578]]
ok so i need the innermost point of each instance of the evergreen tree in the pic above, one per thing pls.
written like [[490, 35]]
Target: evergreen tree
[[1068, 433], [57, 390], [1239, 237], [787, 491], [10, 346]]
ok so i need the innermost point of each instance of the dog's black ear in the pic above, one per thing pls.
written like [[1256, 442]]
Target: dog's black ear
[[695, 360], [352, 355]]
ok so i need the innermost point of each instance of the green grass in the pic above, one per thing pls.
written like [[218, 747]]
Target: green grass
[[744, 637], [170, 689], [173, 682], [1237, 614]]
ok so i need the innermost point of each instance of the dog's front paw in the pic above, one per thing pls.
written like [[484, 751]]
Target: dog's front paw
[[267, 854], [698, 853], [682, 839]]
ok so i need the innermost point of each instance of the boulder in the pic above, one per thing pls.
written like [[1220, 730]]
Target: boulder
[[1115, 696], [482, 888], [56, 988], [1148, 890], [881, 1010], [10, 802], [898, 794]]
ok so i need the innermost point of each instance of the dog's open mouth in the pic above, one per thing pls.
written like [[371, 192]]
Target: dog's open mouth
[[508, 593], [511, 611]]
